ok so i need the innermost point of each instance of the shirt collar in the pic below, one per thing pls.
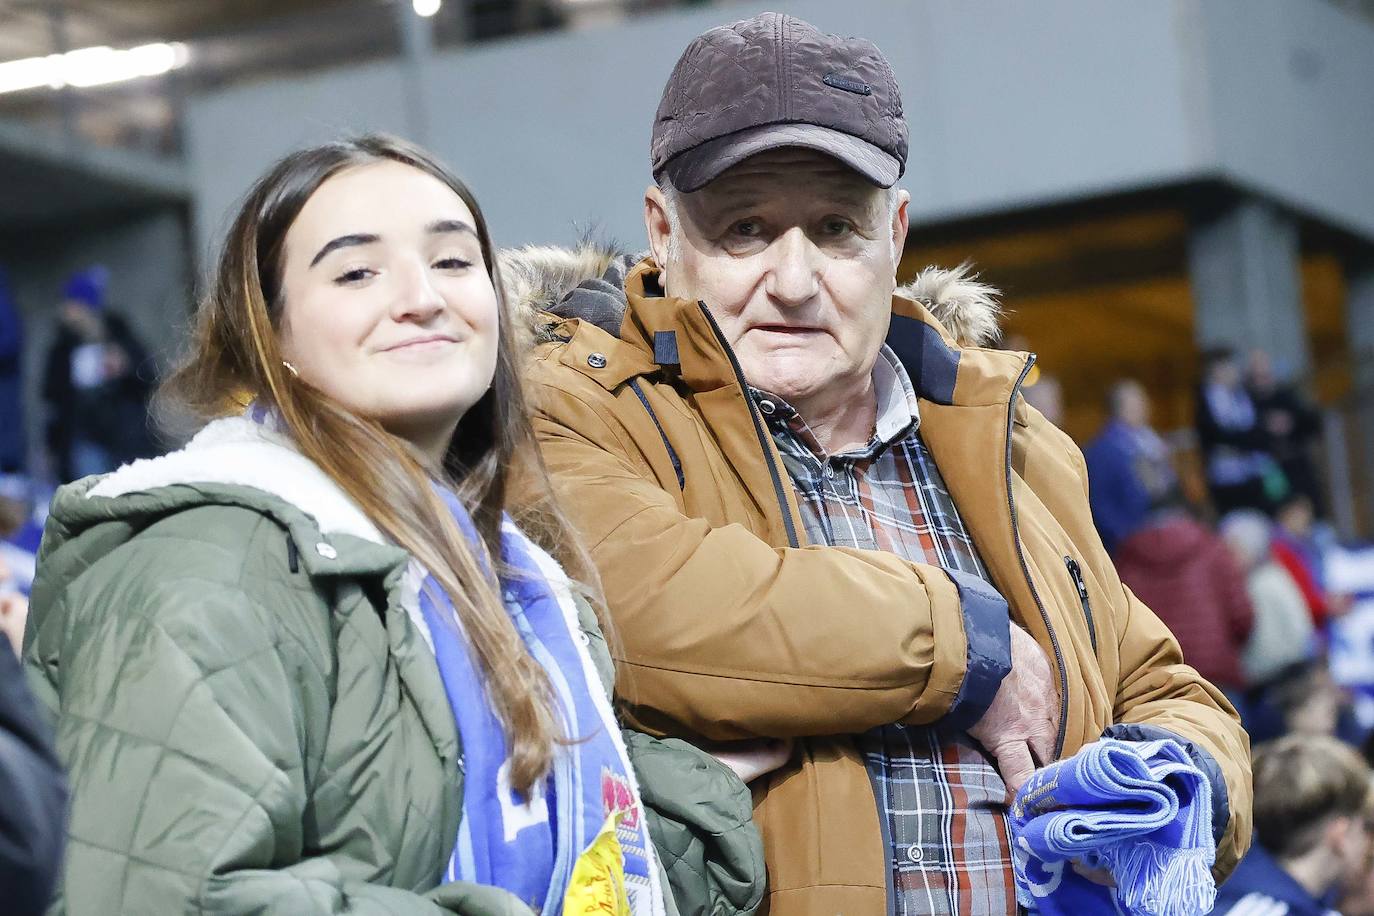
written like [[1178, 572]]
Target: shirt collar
[[898, 413]]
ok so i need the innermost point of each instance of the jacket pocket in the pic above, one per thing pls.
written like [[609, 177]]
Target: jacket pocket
[[1076, 574]]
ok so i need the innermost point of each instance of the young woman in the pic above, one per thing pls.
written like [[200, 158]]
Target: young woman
[[308, 663]]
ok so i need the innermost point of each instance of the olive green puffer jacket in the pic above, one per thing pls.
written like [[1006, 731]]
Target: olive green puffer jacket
[[253, 723]]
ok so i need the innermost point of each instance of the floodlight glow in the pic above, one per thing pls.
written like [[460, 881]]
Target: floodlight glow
[[426, 8], [97, 66]]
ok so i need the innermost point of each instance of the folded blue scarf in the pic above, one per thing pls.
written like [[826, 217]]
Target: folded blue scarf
[[1139, 810]]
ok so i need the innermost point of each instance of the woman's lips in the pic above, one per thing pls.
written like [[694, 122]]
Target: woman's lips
[[418, 344]]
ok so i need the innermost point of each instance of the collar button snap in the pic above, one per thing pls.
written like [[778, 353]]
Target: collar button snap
[[767, 407], [597, 360], [326, 550]]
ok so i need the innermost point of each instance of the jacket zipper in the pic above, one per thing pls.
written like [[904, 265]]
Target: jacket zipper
[[1076, 573], [1025, 571], [759, 430]]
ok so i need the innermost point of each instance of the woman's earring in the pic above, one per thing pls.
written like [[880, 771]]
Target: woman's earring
[[291, 368]]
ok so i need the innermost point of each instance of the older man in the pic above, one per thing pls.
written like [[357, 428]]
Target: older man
[[818, 517]]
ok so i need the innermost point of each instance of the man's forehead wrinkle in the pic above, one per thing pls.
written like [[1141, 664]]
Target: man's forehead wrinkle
[[811, 170], [744, 192]]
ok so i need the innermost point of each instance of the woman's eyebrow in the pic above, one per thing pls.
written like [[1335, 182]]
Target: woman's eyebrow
[[441, 226], [345, 241], [438, 227]]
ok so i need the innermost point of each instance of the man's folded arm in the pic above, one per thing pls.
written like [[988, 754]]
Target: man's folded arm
[[719, 631]]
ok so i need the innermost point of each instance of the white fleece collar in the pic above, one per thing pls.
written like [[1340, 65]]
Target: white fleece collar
[[240, 452]]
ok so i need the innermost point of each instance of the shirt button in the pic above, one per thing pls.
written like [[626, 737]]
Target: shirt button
[[326, 551], [597, 361], [767, 407], [914, 854]]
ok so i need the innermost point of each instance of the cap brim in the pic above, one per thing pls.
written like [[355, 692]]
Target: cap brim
[[697, 167]]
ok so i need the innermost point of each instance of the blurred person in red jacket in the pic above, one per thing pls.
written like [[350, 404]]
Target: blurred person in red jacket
[[1188, 576], [1297, 548]]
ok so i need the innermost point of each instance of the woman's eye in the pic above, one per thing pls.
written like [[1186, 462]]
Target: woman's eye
[[356, 275], [452, 264]]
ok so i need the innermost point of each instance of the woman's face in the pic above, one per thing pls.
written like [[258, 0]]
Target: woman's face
[[387, 306]]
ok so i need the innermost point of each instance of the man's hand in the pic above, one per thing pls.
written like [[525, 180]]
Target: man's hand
[[1095, 875], [1019, 727], [752, 759]]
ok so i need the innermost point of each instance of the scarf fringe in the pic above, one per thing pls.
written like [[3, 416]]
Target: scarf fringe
[[1155, 880]]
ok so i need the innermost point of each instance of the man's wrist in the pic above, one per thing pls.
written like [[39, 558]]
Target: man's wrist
[[987, 634]]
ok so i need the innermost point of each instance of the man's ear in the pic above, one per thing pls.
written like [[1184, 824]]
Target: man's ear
[[900, 225], [1338, 831], [657, 224]]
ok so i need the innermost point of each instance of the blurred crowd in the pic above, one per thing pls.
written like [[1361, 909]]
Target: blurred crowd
[[94, 386], [1266, 600]]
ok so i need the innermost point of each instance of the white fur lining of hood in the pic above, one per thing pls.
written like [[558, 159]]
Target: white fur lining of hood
[[241, 452]]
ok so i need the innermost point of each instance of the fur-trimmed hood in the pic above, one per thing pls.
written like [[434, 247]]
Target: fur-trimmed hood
[[538, 279]]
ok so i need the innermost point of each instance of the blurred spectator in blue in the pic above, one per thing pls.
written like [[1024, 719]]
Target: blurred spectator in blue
[[1292, 424], [97, 398], [1241, 472], [1283, 634], [1349, 570], [1186, 574], [1129, 468], [12, 447], [1313, 816]]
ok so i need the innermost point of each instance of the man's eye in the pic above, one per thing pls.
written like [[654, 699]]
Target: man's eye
[[356, 275], [746, 228], [452, 264], [837, 228]]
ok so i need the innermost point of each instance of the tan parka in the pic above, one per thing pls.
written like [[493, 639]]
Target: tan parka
[[730, 626]]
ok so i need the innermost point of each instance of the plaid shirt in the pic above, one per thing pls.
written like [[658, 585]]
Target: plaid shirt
[[941, 797]]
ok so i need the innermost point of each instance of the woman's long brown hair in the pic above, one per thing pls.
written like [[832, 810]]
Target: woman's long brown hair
[[235, 356]]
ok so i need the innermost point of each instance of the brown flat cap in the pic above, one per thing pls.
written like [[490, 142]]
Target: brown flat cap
[[775, 81]]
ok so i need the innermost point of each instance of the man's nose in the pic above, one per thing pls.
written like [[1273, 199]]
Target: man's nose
[[417, 299], [794, 277]]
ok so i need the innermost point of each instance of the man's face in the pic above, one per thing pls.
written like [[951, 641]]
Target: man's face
[[1134, 406], [1226, 373], [1261, 370], [796, 257], [82, 319]]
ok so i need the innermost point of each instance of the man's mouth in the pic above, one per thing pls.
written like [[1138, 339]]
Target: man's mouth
[[791, 329]]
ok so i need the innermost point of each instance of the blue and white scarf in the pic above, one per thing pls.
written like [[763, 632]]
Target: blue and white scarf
[[1139, 810], [533, 848]]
